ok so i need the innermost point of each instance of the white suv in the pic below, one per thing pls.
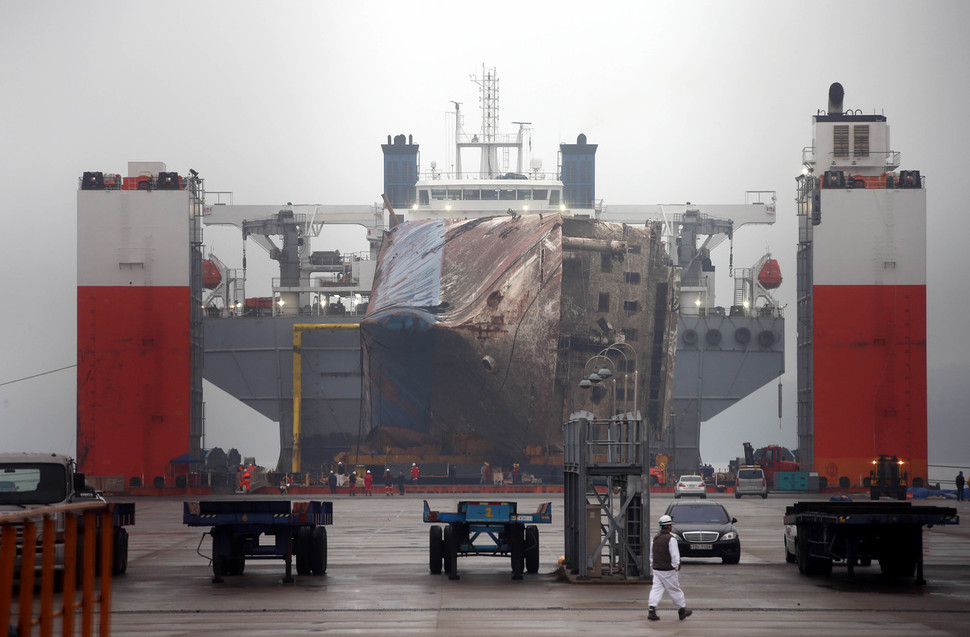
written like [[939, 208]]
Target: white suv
[[751, 481]]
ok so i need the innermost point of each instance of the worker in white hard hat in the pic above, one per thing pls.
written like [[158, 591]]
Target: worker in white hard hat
[[665, 562]]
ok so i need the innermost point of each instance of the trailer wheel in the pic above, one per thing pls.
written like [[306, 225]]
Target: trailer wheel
[[515, 535], [236, 563], [737, 496], [434, 549], [301, 547], [789, 556], [119, 550], [450, 550], [318, 550], [532, 549], [807, 564], [219, 567], [221, 551]]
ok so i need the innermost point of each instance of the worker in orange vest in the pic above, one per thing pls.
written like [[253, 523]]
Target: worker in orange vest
[[368, 483], [415, 472]]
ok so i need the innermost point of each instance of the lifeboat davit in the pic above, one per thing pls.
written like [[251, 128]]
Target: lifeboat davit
[[769, 276], [211, 278]]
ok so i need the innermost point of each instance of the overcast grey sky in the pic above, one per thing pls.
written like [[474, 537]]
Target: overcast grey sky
[[290, 101]]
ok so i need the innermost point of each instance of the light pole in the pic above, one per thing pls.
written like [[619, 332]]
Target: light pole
[[596, 377]]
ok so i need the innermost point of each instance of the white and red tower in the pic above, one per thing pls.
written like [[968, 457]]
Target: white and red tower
[[861, 301], [139, 380]]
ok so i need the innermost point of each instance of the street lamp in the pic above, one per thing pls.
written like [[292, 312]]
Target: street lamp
[[605, 372]]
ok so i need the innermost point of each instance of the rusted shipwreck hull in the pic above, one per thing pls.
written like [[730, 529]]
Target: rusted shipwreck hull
[[478, 332]]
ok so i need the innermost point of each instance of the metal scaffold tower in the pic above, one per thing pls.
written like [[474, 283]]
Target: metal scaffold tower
[[607, 501]]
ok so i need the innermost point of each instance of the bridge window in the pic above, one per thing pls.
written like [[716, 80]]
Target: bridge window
[[454, 194], [423, 197], [554, 197], [489, 195], [471, 195], [438, 194], [506, 195], [523, 194], [540, 195]]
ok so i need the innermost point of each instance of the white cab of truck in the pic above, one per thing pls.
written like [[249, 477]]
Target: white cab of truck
[[33, 480]]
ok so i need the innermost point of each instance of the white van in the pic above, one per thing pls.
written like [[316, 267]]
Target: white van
[[751, 481]]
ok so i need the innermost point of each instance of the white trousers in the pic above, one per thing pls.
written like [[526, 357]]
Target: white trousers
[[669, 582]]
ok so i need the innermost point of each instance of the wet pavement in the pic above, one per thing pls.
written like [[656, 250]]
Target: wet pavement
[[378, 583]]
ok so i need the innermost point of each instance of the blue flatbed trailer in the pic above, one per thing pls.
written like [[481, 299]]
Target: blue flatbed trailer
[[485, 528], [857, 533], [298, 529]]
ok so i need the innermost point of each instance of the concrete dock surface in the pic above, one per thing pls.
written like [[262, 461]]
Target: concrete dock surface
[[378, 583]]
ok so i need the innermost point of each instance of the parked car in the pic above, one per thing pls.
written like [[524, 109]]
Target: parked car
[[705, 529], [751, 481], [690, 485]]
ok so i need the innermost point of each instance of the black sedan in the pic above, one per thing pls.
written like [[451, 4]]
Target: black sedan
[[704, 529]]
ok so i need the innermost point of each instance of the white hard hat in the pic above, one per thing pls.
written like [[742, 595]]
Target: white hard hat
[[414, 464], [665, 520]]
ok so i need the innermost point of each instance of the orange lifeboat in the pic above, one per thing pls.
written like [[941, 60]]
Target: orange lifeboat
[[769, 276], [211, 277]]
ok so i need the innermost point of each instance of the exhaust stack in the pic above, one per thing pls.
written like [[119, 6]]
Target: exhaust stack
[[836, 93]]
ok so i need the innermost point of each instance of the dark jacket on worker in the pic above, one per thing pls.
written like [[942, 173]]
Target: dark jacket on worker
[[662, 561]]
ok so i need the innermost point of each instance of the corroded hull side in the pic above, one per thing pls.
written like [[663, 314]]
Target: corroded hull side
[[478, 331]]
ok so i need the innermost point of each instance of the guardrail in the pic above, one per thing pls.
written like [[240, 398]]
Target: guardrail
[[21, 562]]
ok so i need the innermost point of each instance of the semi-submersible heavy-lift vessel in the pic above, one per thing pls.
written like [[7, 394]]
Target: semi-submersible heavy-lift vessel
[[156, 314]]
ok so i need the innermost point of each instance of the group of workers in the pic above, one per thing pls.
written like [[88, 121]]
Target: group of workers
[[338, 479]]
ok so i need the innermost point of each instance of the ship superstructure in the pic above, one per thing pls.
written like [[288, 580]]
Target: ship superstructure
[[861, 300]]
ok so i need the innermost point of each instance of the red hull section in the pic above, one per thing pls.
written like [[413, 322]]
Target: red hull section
[[133, 380], [869, 378]]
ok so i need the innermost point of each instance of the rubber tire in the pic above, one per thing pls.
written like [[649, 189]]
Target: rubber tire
[[517, 549], [221, 550], [731, 559], [237, 561], [532, 549], [435, 550], [764, 496], [811, 565], [449, 549], [301, 550], [318, 550], [703, 496], [801, 553], [791, 558], [737, 496], [677, 496], [119, 550]]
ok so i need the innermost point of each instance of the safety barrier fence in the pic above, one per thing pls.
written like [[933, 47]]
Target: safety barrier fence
[[67, 562]]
